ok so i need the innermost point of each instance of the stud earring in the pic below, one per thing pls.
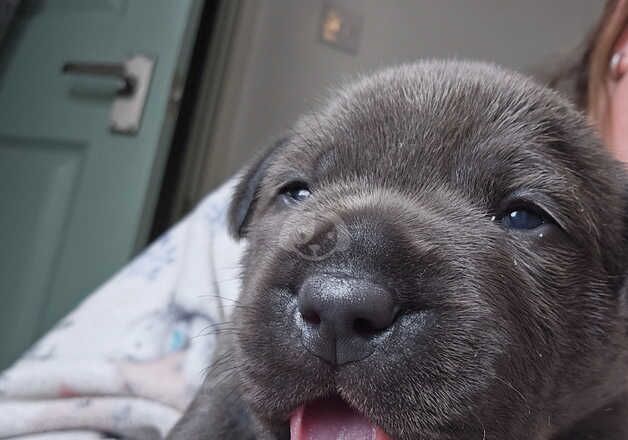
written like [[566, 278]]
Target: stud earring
[[615, 65]]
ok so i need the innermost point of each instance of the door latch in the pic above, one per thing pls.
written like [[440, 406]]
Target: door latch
[[134, 74]]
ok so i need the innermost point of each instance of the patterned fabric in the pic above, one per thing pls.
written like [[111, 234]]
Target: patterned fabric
[[128, 360]]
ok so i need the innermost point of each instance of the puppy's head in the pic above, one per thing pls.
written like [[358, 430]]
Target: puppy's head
[[435, 254]]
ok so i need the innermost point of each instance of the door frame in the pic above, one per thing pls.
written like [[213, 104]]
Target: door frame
[[171, 121], [207, 136]]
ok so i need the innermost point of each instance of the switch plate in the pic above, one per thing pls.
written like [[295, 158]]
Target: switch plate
[[341, 27]]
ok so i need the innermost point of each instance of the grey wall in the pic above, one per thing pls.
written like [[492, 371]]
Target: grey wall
[[279, 67]]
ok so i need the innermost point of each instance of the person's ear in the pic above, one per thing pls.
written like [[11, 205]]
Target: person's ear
[[247, 190]]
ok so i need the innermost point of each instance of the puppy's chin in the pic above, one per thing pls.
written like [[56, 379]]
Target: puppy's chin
[[332, 418]]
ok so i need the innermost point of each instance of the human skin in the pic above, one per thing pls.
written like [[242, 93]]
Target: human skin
[[616, 133]]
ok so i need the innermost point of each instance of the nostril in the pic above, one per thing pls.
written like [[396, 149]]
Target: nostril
[[365, 328], [311, 317]]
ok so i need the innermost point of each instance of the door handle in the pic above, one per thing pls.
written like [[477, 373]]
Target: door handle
[[135, 74], [113, 70]]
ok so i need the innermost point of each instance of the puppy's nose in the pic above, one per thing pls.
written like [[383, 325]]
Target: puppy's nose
[[343, 319]]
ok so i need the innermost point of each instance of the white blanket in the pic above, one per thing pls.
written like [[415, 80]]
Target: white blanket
[[128, 360]]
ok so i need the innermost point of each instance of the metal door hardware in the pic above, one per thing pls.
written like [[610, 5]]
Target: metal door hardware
[[135, 74]]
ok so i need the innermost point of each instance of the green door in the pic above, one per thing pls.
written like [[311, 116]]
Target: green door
[[76, 197]]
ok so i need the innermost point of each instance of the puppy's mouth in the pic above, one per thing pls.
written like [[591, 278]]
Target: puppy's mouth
[[332, 419]]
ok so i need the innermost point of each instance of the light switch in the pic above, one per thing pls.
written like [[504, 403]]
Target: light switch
[[341, 27]]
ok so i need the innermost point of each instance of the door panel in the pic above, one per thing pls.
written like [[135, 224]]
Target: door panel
[[33, 225], [73, 195]]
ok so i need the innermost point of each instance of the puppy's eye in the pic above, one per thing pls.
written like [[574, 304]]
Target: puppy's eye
[[295, 192], [522, 219]]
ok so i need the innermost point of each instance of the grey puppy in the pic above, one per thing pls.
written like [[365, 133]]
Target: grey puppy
[[437, 253]]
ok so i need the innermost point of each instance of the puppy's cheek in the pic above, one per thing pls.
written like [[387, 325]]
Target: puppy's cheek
[[564, 295], [272, 362], [450, 362], [452, 351], [265, 353], [558, 269]]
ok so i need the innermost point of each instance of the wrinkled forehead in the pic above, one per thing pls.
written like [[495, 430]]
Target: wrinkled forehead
[[477, 131], [416, 148], [481, 137]]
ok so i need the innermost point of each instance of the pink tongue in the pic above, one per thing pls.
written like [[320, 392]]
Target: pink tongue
[[332, 419]]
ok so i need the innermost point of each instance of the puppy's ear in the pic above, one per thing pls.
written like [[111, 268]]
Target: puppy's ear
[[247, 189]]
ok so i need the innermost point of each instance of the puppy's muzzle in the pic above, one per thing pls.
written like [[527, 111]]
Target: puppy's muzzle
[[345, 308]]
